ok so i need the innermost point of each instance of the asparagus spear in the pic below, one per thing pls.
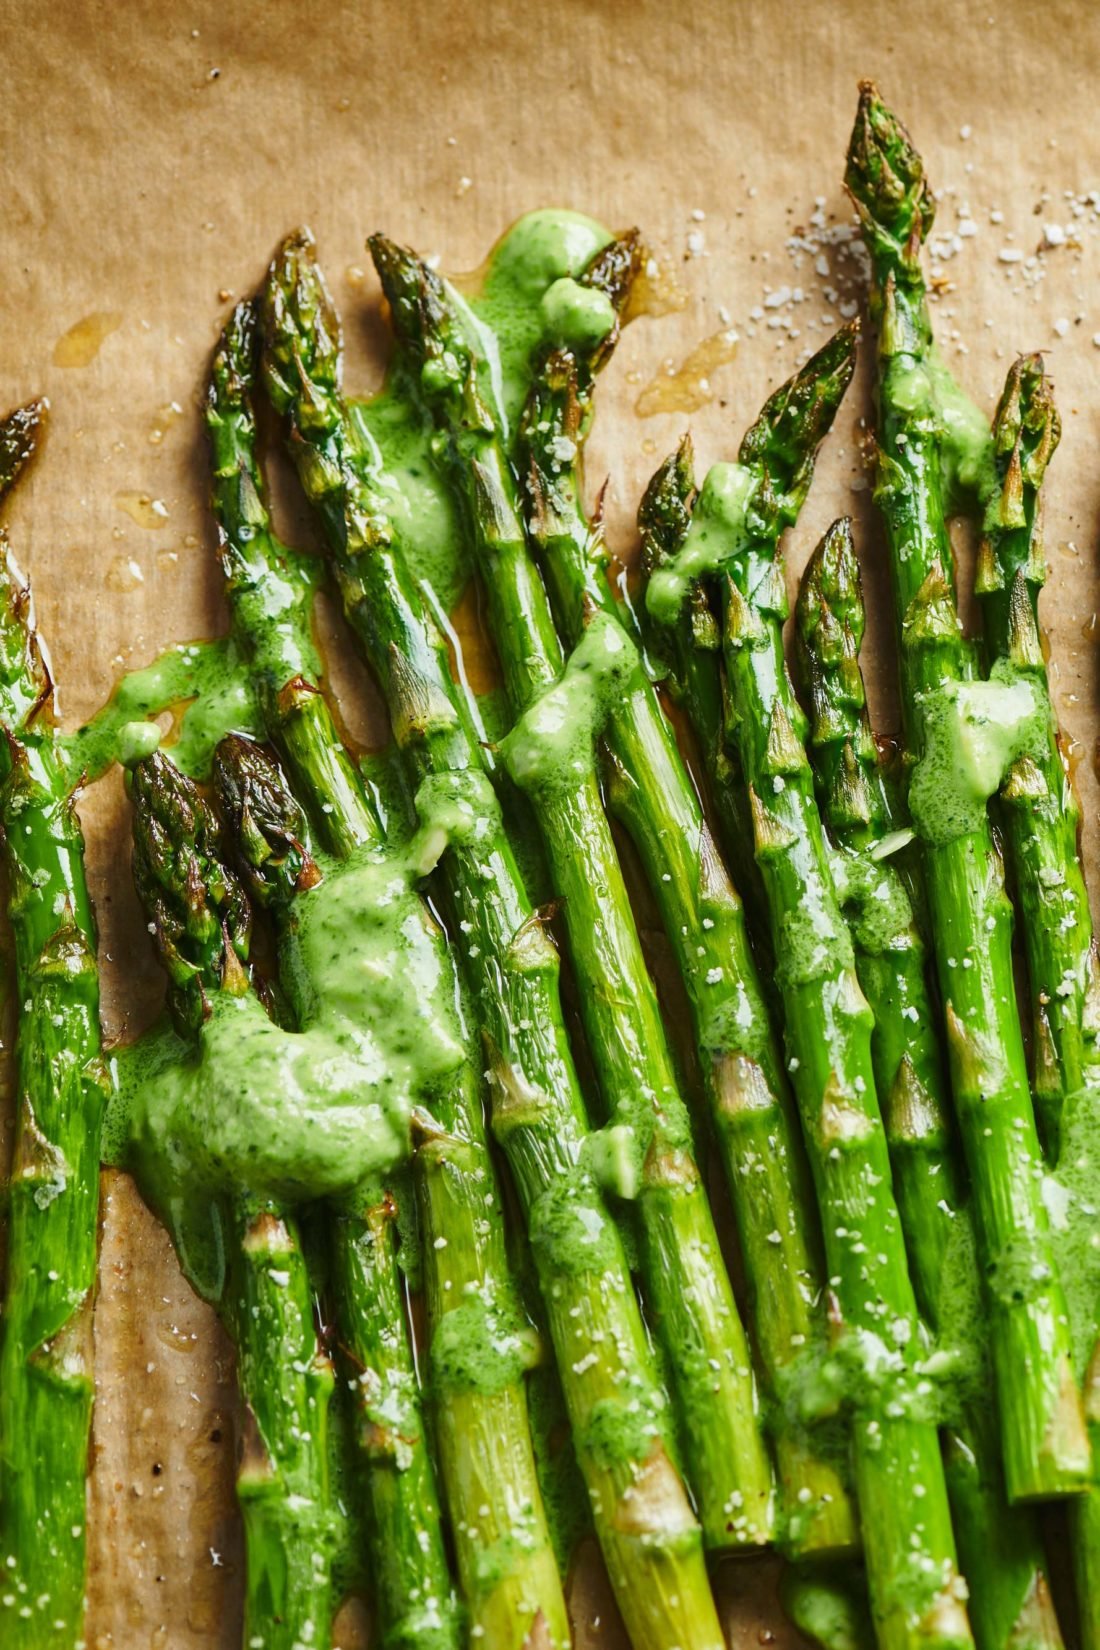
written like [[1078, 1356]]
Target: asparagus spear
[[53, 1191], [683, 1273], [649, 1536], [502, 1541], [201, 922], [505, 1558], [688, 650], [649, 791], [270, 606], [1001, 1548], [1044, 1442], [1042, 822], [1040, 809], [916, 1594]]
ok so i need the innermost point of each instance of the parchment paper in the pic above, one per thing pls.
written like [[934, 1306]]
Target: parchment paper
[[153, 154]]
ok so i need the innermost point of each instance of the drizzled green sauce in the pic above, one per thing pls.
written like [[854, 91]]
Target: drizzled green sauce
[[209, 680], [251, 1105], [718, 529], [974, 731], [308, 1113], [552, 742], [928, 389]]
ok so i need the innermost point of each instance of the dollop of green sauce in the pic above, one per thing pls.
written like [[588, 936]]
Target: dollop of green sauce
[[974, 731], [480, 1346], [875, 902], [928, 389], [541, 249], [312, 1112], [551, 744], [717, 532], [576, 316], [136, 741]]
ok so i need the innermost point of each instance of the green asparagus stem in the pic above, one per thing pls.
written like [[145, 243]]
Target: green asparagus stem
[[1045, 1445], [683, 1273], [201, 922], [1041, 824], [270, 605], [270, 592], [689, 651], [650, 792], [413, 1593], [1040, 809], [505, 1559], [649, 1536], [53, 1190], [917, 1597], [1001, 1548]]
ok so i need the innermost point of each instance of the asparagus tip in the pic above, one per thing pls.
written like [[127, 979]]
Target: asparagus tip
[[198, 909], [797, 417], [404, 276], [615, 267], [665, 509], [419, 309], [1027, 424], [832, 577], [302, 340], [885, 178], [233, 366], [265, 821]]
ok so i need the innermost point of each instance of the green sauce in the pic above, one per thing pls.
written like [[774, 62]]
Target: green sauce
[[543, 248], [929, 390], [552, 742], [875, 903], [397, 434], [303, 1114], [718, 529], [480, 1347], [974, 731], [575, 316], [210, 677]]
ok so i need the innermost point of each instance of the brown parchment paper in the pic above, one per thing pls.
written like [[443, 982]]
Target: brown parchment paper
[[152, 156]]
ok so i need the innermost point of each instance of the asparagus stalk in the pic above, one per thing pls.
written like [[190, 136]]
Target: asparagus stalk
[[46, 1385], [859, 814], [683, 1272], [650, 792], [200, 918], [688, 650], [1044, 1442], [270, 606], [649, 1536], [413, 1597], [505, 1559], [916, 1594], [1001, 1548], [270, 588], [1041, 824], [1040, 809]]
